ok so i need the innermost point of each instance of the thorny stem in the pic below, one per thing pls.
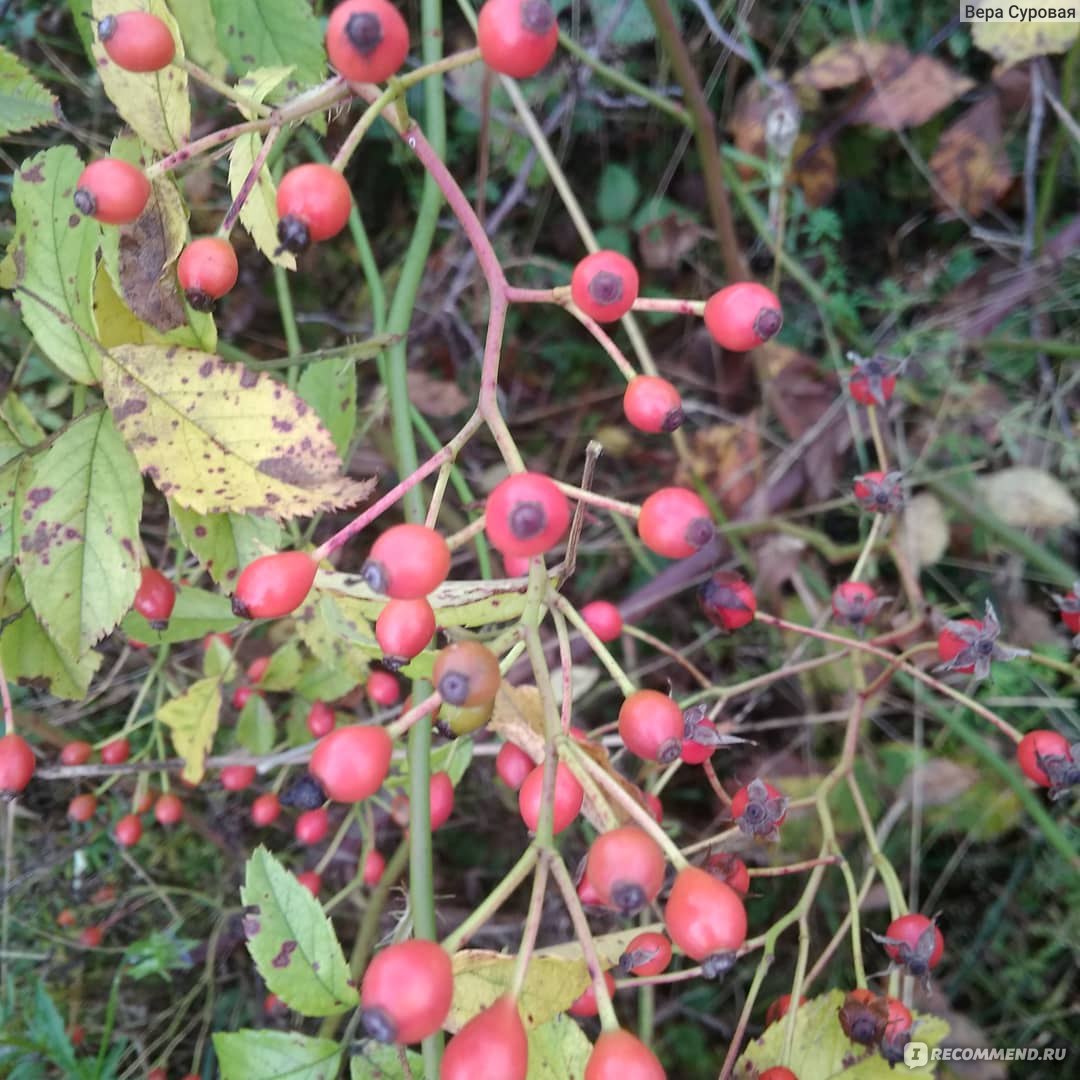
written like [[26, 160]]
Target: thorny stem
[[249, 183]]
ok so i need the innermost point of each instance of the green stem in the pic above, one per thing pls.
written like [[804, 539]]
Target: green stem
[[493, 901]]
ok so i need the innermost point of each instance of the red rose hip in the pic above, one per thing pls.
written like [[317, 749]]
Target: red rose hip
[[367, 40], [16, 764], [517, 37], [207, 270], [313, 204], [604, 285], [274, 585], [406, 992], [674, 522], [743, 316], [652, 405], [351, 763], [111, 191], [526, 515], [137, 41]]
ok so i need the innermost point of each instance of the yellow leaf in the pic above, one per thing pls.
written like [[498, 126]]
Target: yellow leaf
[[1013, 42], [1029, 498], [192, 720], [155, 103], [552, 985], [217, 438]]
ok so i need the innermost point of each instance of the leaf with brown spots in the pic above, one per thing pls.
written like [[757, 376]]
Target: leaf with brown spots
[[294, 948], [970, 162], [218, 438], [155, 104], [192, 720], [50, 262], [77, 533], [31, 657]]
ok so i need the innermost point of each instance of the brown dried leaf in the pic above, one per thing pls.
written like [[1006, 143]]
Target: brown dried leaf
[[815, 173], [518, 717], [914, 95], [666, 241], [727, 457], [848, 62], [435, 397], [970, 162], [940, 781], [924, 531], [148, 247], [800, 398]]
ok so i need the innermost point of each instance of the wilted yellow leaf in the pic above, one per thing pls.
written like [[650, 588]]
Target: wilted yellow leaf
[[192, 720], [1013, 42], [217, 437], [924, 531], [552, 985], [848, 62]]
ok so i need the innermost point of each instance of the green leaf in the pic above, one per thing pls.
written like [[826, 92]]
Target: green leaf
[[259, 213], [452, 758], [317, 622], [329, 388], [321, 683], [275, 1055], [159, 953], [195, 20], [376, 1062], [283, 671], [24, 102], [292, 941], [32, 658], [50, 262], [46, 1028], [77, 537], [218, 661], [558, 1050], [821, 1049], [12, 489], [192, 720], [272, 33], [618, 193], [155, 104], [255, 726], [223, 543], [219, 438], [635, 25], [196, 614]]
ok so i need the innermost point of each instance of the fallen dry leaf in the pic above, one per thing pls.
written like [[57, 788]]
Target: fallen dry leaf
[[1027, 497], [917, 93], [816, 173], [848, 62], [1013, 42], [664, 242], [800, 399], [434, 396], [970, 163], [940, 781], [727, 458], [924, 531]]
